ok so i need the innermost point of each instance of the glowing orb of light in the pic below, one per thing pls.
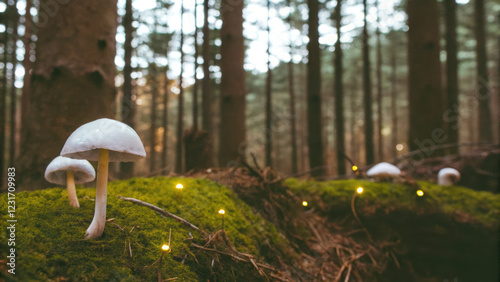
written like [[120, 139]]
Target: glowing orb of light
[[420, 193], [305, 203], [399, 147], [221, 211], [179, 186], [165, 248], [359, 190], [354, 168]]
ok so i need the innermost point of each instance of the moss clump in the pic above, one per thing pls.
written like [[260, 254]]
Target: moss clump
[[484, 207], [50, 233]]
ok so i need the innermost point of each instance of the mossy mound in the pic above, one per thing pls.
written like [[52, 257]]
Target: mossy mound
[[50, 244], [449, 232]]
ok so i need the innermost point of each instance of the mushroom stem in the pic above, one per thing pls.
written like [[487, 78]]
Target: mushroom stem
[[96, 228], [70, 184]]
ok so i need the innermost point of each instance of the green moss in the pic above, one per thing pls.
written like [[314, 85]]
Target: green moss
[[483, 206], [50, 233]]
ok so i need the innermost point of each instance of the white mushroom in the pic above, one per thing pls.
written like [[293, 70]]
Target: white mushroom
[[448, 176], [384, 171], [66, 171], [103, 140]]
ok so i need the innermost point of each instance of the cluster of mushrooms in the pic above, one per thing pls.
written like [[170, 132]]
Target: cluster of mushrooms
[[103, 140], [386, 171]]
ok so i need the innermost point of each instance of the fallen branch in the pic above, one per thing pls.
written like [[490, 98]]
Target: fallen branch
[[160, 210]]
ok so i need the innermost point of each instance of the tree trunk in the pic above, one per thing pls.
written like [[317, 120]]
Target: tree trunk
[[291, 92], [164, 155], [268, 128], [232, 125], [207, 93], [128, 106], [72, 80], [13, 90], [3, 97], [451, 74], [394, 109], [425, 93], [152, 132], [339, 94], [367, 94], [25, 98], [180, 111], [314, 116], [380, 147], [195, 86], [485, 122]]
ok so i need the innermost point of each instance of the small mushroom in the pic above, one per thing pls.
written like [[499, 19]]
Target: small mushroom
[[448, 176], [103, 140], [383, 171], [68, 171]]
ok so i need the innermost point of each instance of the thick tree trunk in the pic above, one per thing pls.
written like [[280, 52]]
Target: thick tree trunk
[[195, 86], [25, 98], [380, 147], [180, 109], [485, 122], [152, 132], [425, 93], [367, 94], [268, 128], [314, 116], [233, 90], [128, 106], [451, 74], [339, 94], [291, 92], [72, 81]]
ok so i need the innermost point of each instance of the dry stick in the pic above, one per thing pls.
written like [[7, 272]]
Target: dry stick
[[346, 264], [161, 211], [357, 218]]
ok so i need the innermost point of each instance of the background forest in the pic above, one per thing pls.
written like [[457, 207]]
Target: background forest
[[309, 88]]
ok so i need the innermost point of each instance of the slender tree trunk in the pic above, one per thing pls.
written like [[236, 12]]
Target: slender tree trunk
[[353, 110], [485, 122], [380, 144], [314, 116], [339, 94], [196, 83], [425, 93], [180, 112], [291, 92], [268, 129], [451, 73], [72, 81], [498, 83], [164, 155], [13, 89], [152, 132], [367, 94], [394, 109], [3, 97], [206, 83], [128, 106], [233, 91], [25, 98]]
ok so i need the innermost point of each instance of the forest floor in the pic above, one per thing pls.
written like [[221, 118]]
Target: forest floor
[[387, 233]]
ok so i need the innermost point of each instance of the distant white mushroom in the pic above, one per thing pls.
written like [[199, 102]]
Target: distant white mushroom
[[448, 176], [66, 171], [103, 140], [383, 171]]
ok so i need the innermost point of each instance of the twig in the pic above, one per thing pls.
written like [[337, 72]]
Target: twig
[[160, 210]]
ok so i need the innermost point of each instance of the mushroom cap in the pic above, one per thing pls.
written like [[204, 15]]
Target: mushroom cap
[[448, 176], [56, 170], [384, 170], [121, 140]]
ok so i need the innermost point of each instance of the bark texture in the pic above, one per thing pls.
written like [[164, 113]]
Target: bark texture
[[291, 92], [451, 72], [426, 98], [233, 91], [314, 116], [339, 94], [367, 93], [72, 80]]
